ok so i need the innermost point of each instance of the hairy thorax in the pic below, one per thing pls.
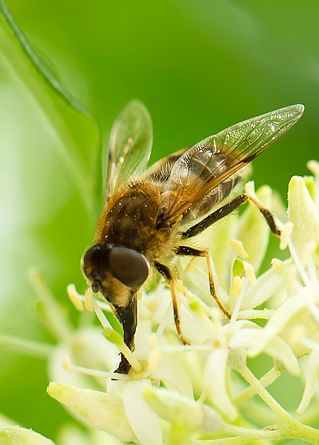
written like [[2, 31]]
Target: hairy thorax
[[131, 219]]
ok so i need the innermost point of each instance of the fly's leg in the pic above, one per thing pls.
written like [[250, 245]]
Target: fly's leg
[[266, 213], [226, 210], [189, 251], [166, 273]]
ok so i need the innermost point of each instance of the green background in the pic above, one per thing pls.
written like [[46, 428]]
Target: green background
[[198, 65]]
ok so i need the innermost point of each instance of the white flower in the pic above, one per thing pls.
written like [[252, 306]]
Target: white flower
[[176, 393], [201, 370]]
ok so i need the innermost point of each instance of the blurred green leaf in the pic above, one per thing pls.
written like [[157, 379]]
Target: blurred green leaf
[[77, 132]]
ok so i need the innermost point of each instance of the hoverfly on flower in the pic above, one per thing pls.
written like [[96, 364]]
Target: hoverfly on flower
[[148, 212]]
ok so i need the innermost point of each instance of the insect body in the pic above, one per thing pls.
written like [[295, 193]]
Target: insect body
[[145, 213]]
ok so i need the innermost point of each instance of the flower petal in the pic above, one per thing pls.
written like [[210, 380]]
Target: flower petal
[[215, 375], [284, 313], [303, 214], [300, 326], [5, 421], [257, 340], [95, 408], [267, 285], [311, 383], [144, 422], [174, 374], [73, 435], [279, 349], [87, 348], [179, 409], [15, 435]]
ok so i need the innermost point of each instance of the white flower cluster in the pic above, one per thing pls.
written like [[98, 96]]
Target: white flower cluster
[[205, 393]]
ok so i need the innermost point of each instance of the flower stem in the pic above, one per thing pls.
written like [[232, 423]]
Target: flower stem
[[290, 427], [266, 380], [29, 347], [259, 389], [53, 316]]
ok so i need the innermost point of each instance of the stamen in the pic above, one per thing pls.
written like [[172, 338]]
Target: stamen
[[313, 166], [308, 251], [249, 272], [88, 298], [115, 338], [192, 264], [69, 366], [154, 354], [239, 247], [286, 241], [179, 286], [299, 266], [250, 188], [253, 314], [285, 236], [99, 313], [209, 315], [238, 285], [278, 266], [28, 347], [102, 304], [74, 297], [54, 318], [164, 320], [203, 396], [200, 310]]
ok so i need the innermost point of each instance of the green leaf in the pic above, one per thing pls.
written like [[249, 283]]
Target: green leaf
[[78, 134]]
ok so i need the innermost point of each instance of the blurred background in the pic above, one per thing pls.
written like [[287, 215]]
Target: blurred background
[[199, 66]]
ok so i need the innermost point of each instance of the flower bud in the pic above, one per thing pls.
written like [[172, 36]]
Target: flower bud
[[15, 435]]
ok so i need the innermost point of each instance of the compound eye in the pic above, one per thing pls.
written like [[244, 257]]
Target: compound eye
[[95, 264], [128, 266]]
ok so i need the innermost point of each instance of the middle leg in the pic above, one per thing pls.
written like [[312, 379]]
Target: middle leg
[[229, 208], [189, 251]]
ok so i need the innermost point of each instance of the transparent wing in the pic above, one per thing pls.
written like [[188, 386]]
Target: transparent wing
[[130, 145], [161, 171], [217, 158]]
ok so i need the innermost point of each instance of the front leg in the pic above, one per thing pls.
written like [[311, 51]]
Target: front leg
[[189, 251], [166, 273]]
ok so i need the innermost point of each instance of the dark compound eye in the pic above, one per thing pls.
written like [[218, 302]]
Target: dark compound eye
[[95, 262], [128, 266]]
